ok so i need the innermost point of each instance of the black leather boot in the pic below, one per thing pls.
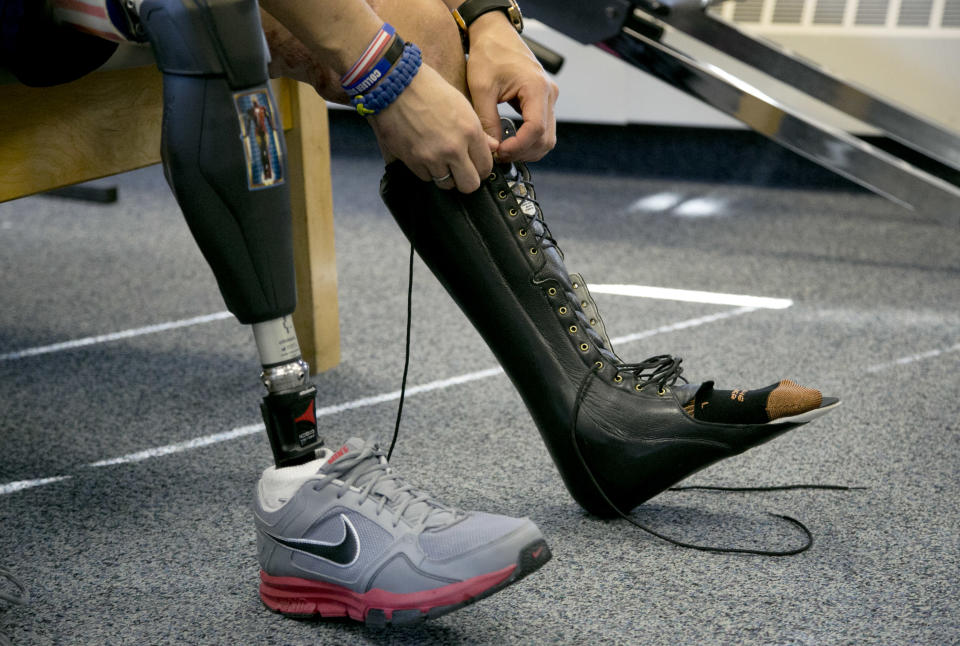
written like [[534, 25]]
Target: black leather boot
[[618, 432]]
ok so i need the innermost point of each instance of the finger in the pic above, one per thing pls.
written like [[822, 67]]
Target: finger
[[465, 174], [422, 172], [485, 105], [480, 152], [530, 142]]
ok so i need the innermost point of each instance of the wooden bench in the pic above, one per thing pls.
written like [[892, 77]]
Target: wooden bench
[[109, 122]]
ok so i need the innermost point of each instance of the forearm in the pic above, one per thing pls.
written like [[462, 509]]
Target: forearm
[[335, 31]]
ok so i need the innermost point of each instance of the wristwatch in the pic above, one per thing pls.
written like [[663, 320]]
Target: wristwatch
[[470, 10]]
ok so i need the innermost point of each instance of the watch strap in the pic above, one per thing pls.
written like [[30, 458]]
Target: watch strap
[[470, 10]]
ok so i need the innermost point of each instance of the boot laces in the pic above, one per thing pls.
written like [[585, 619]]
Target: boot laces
[[526, 196], [370, 472], [663, 370]]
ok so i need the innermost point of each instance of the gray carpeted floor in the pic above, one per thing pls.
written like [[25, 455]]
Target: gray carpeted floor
[[161, 550]]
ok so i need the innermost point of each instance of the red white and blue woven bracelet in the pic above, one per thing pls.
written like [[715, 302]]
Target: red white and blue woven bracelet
[[374, 62], [389, 59], [390, 87]]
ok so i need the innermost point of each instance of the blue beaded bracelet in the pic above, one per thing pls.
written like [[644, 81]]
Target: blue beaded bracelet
[[390, 88]]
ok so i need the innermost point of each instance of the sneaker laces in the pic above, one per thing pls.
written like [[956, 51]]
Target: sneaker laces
[[369, 471]]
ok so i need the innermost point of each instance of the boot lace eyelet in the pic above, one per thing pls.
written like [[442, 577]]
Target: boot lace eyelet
[[513, 213], [598, 365], [593, 321], [502, 195], [583, 304], [552, 291], [523, 233], [573, 329], [563, 310], [618, 379], [662, 391], [534, 251], [638, 388], [584, 347], [492, 176], [576, 286]]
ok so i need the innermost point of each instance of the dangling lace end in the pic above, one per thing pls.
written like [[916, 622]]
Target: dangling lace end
[[769, 488], [17, 599]]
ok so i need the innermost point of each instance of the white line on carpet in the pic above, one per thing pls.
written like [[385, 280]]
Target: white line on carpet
[[195, 443], [252, 429], [902, 361], [686, 295], [439, 384], [114, 336], [19, 485], [664, 293], [682, 325], [692, 296]]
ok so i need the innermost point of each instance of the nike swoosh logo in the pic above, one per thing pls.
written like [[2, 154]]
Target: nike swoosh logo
[[344, 552]]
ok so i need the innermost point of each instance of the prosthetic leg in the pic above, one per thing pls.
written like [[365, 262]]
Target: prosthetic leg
[[619, 432], [224, 157]]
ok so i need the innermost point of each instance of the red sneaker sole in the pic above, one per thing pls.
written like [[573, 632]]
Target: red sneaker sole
[[306, 599]]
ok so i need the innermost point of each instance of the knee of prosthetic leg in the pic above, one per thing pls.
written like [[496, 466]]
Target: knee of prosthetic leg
[[223, 148]]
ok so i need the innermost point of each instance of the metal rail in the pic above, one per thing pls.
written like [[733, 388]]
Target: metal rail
[[643, 34], [926, 137]]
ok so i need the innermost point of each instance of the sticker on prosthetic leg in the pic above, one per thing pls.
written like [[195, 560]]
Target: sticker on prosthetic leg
[[291, 421], [259, 130]]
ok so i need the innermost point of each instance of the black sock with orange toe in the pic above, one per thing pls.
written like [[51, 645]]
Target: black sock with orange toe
[[782, 399]]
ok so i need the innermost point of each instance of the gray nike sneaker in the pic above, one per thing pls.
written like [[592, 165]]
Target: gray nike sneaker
[[345, 536]]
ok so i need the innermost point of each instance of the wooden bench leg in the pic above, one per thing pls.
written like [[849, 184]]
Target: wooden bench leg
[[317, 317]]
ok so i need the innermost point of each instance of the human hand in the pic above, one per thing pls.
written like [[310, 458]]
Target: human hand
[[501, 68], [433, 129]]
